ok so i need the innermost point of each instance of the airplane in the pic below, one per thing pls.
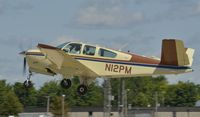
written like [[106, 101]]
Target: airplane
[[88, 62]]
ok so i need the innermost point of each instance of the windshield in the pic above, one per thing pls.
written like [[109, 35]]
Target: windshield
[[62, 45]]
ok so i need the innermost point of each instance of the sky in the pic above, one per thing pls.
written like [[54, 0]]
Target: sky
[[135, 25]]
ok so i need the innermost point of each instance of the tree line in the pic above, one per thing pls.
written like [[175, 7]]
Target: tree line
[[140, 92]]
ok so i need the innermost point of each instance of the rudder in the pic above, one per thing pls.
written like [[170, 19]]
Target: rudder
[[174, 53]]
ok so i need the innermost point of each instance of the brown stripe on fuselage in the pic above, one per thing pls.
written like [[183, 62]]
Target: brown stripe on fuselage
[[140, 59]]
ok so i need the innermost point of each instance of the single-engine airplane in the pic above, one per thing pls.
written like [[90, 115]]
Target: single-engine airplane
[[89, 62]]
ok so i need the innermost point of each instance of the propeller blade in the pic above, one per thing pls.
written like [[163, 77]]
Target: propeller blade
[[23, 53], [24, 66]]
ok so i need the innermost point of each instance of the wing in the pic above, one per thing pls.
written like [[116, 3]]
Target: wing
[[65, 63]]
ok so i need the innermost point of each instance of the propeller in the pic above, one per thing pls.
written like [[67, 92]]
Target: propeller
[[24, 62], [24, 66], [25, 44]]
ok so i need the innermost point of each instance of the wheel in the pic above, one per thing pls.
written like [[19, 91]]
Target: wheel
[[28, 84], [66, 83], [82, 90]]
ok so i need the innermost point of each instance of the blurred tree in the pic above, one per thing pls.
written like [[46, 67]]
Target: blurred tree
[[183, 94], [94, 96], [141, 93], [27, 96], [9, 102], [51, 89], [56, 106], [141, 89]]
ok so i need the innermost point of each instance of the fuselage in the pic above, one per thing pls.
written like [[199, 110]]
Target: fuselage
[[104, 62]]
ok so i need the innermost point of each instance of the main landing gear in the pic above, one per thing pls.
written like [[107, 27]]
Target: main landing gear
[[27, 83], [66, 84], [82, 89]]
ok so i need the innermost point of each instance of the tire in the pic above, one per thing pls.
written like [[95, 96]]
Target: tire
[[66, 83], [82, 90], [27, 84]]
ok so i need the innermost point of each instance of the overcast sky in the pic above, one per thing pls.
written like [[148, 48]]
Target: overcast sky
[[135, 25]]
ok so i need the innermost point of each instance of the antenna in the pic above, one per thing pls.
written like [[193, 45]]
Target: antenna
[[123, 46]]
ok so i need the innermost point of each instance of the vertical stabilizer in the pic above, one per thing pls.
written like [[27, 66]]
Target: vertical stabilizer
[[174, 53]]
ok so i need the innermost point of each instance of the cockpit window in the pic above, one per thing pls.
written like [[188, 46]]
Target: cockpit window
[[89, 50], [106, 53], [62, 45], [73, 48]]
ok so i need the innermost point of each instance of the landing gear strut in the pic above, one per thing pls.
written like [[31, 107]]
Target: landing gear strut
[[28, 83], [82, 89], [66, 83]]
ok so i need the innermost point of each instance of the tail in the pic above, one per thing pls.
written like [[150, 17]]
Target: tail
[[174, 53]]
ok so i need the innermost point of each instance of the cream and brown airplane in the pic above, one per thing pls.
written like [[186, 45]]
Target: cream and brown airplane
[[89, 62]]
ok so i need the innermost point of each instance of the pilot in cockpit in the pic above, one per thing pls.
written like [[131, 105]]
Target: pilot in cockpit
[[75, 49]]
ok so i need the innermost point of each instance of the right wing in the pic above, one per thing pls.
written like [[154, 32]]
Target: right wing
[[64, 62]]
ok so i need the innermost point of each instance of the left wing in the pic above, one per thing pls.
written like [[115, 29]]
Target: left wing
[[65, 63]]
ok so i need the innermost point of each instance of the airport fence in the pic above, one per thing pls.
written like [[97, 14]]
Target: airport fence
[[133, 112]]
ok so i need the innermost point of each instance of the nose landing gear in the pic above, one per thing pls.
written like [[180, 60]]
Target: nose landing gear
[[27, 83]]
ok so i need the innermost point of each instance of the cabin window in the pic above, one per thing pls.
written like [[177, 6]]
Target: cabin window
[[89, 50], [73, 48], [106, 53], [62, 45]]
